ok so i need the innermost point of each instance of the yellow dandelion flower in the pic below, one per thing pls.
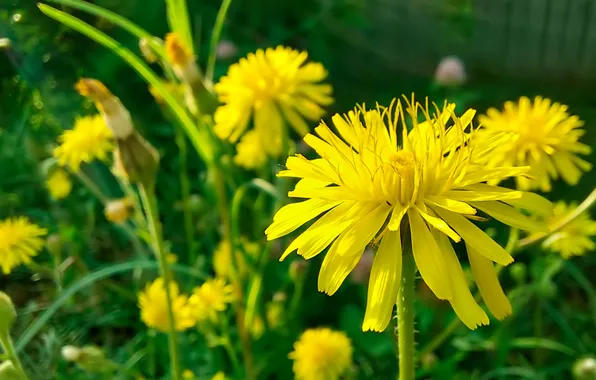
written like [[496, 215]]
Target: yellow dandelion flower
[[250, 151], [154, 312], [540, 134], [59, 184], [378, 179], [90, 139], [210, 299], [219, 376], [321, 354], [575, 238], [187, 374], [20, 240], [222, 258], [271, 85]]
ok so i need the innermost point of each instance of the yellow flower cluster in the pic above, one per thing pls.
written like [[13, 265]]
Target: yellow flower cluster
[[210, 299], [380, 181]]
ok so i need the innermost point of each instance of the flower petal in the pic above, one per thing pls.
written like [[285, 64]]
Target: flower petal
[[476, 238], [396, 216], [335, 267], [362, 233], [440, 225], [428, 257], [463, 302], [488, 284], [510, 216], [450, 204], [292, 216], [384, 284]]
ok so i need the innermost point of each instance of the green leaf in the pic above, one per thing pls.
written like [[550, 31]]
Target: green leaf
[[534, 342], [122, 22], [88, 280], [198, 136]]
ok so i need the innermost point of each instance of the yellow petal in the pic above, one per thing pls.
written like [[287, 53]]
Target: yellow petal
[[510, 216], [428, 257], [488, 284], [396, 216], [335, 267], [565, 166], [384, 284], [292, 216], [362, 233], [476, 238], [296, 121], [451, 205], [440, 225], [268, 122], [299, 166], [487, 174], [330, 192], [463, 302]]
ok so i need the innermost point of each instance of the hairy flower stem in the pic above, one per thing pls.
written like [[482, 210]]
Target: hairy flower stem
[[11, 354], [151, 211], [405, 317]]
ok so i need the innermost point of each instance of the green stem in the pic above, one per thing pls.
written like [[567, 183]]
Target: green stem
[[297, 296], [91, 186], [215, 35], [11, 354], [152, 213], [222, 200], [405, 317], [185, 190], [229, 349]]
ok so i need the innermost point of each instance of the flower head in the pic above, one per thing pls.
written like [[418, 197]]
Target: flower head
[[271, 85], [90, 139], [379, 178], [154, 311], [20, 240], [219, 376], [59, 184], [540, 134], [187, 374], [321, 354], [576, 237], [251, 153], [222, 258], [210, 299]]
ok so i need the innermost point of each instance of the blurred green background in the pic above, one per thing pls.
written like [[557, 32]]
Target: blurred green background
[[374, 51]]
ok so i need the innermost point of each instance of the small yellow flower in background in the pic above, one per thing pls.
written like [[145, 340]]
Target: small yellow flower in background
[[369, 186], [59, 184], [270, 86], [258, 327], [154, 311], [187, 374], [575, 238], [321, 354], [219, 376], [172, 258], [89, 140], [210, 299], [274, 311], [222, 258], [118, 210], [20, 240], [250, 151], [540, 134]]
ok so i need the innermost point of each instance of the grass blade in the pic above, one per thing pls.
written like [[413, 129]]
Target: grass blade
[[199, 137], [215, 36]]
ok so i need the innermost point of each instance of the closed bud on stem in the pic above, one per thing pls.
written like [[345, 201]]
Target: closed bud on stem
[[89, 358], [9, 372], [8, 314], [136, 160], [70, 353], [147, 50], [584, 368], [118, 210]]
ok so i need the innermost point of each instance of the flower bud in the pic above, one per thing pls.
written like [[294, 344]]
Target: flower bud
[[136, 159], [450, 72], [274, 312], [298, 269], [181, 59], [280, 297], [147, 50], [92, 359], [9, 372], [8, 314], [118, 210], [71, 353], [54, 244], [5, 43], [584, 368]]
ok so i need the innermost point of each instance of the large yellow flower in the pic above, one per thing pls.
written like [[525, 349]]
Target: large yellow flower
[[321, 354], [271, 85], [381, 182], [575, 238], [154, 311], [210, 299], [20, 240], [540, 134], [59, 184], [90, 139]]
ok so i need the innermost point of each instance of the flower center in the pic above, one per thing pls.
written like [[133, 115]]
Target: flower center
[[401, 179]]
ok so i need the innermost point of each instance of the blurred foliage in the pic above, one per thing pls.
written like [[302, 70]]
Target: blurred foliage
[[555, 314]]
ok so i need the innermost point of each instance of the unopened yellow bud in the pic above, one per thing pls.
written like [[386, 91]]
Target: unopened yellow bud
[[9, 372], [93, 89], [187, 374], [71, 353], [8, 314], [147, 50], [178, 54], [118, 210]]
